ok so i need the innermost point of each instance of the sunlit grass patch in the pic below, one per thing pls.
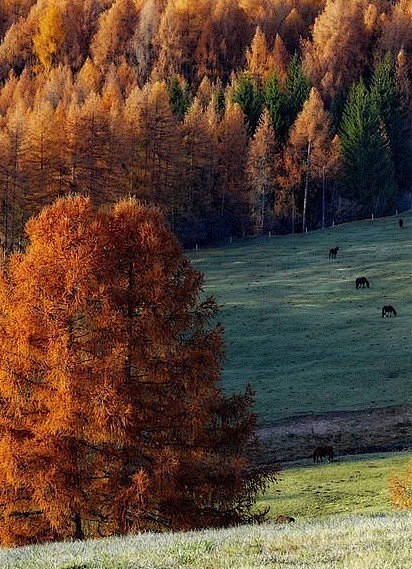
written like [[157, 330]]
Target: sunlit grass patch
[[348, 485], [378, 542]]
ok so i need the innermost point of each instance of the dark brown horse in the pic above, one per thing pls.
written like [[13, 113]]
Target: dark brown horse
[[362, 282], [333, 252], [322, 451], [388, 310]]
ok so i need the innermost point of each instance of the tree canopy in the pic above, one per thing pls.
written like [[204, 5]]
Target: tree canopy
[[111, 414], [105, 90]]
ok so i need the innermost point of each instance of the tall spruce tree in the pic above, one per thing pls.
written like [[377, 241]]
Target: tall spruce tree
[[366, 152], [247, 95], [386, 96], [180, 97], [275, 102], [297, 90]]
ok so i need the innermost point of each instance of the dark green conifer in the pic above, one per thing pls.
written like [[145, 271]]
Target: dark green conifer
[[366, 152], [297, 90], [179, 96], [386, 97], [275, 102], [248, 96]]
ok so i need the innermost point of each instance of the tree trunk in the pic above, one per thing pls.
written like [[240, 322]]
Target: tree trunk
[[78, 531], [305, 198]]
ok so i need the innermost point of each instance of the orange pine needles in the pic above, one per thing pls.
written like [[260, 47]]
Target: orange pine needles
[[111, 415]]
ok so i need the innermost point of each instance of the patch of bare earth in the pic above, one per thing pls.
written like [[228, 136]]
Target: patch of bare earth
[[349, 432]]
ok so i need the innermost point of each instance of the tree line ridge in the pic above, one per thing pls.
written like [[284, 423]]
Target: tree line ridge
[[233, 116]]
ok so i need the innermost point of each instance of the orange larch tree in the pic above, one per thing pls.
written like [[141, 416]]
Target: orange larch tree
[[158, 145], [116, 27], [112, 419], [258, 57], [44, 164], [337, 53], [50, 38], [232, 140], [198, 171], [309, 146], [261, 173], [93, 156], [13, 151], [400, 488]]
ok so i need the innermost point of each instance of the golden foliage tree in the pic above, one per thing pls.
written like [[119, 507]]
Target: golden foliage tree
[[51, 35], [400, 488], [111, 415], [178, 37], [232, 152], [397, 29], [258, 57], [280, 59], [93, 155], [157, 144], [16, 46], [115, 31], [44, 167], [197, 165], [13, 151], [337, 53], [144, 37], [224, 37], [261, 172], [309, 144]]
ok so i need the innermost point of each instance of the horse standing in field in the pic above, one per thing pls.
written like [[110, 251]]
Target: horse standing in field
[[322, 451], [333, 252], [362, 282], [388, 310]]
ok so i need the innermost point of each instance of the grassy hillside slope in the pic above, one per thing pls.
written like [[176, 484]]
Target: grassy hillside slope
[[347, 486], [299, 331], [379, 542]]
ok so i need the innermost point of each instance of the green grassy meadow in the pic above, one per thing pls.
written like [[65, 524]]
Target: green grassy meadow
[[351, 485], [297, 329]]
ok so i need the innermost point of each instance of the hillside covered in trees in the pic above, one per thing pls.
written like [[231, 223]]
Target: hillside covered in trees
[[233, 116]]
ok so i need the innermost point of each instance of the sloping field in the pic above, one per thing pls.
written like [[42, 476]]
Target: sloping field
[[361, 543], [299, 331], [350, 485]]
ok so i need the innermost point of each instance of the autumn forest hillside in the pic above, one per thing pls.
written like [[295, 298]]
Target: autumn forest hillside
[[233, 116]]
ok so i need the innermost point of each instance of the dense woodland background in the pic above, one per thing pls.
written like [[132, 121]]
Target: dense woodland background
[[233, 116]]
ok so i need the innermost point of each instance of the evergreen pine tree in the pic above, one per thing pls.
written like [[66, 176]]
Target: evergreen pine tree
[[385, 95], [179, 96], [247, 96], [366, 152], [297, 90], [275, 101]]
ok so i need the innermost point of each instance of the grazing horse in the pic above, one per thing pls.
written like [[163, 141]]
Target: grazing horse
[[362, 282], [322, 451], [284, 519], [333, 252], [388, 310]]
